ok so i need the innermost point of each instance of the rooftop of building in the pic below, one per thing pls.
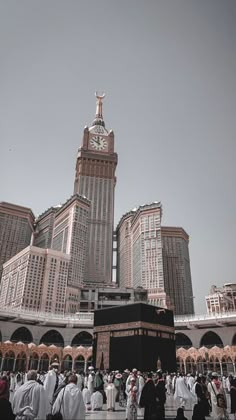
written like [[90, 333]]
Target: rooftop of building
[[5, 206], [174, 231], [60, 207], [135, 212], [39, 251]]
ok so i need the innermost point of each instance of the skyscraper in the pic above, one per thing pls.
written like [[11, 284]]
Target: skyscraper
[[139, 251], [177, 273], [155, 258], [16, 228], [95, 179]]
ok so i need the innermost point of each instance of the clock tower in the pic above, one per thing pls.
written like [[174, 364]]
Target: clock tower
[[95, 179]]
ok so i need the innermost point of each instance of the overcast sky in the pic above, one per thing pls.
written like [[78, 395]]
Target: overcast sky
[[168, 68]]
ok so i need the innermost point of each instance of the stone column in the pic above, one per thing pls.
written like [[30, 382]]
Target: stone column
[[185, 369], [14, 365], [221, 370], [234, 368], [85, 366], [2, 363]]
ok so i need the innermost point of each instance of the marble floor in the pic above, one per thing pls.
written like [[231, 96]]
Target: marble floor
[[119, 414]]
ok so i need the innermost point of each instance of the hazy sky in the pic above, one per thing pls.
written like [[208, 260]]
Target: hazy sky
[[168, 68]]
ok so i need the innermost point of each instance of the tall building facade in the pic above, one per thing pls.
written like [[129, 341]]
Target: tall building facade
[[44, 228], [64, 228], [177, 272], [70, 235], [36, 279], [139, 252], [155, 258], [221, 299], [95, 179], [16, 228]]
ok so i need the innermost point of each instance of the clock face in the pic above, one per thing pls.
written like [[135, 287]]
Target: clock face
[[98, 143]]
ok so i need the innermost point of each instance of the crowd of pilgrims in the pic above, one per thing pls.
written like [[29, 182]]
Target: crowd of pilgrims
[[69, 395]]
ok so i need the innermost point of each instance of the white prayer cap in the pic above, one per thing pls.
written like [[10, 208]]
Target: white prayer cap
[[134, 370], [214, 374], [91, 368]]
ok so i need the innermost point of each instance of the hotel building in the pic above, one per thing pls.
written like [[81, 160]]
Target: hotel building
[[139, 252], [16, 228], [35, 279], [177, 272], [221, 299]]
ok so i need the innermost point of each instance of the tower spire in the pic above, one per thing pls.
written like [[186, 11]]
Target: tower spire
[[99, 117]]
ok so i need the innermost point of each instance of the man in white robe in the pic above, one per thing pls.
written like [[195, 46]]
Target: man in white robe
[[91, 381], [30, 400], [111, 392], [96, 401], [182, 392], [51, 381], [87, 398], [80, 380], [70, 401], [215, 387]]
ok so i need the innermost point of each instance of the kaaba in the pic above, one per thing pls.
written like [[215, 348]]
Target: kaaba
[[137, 335]]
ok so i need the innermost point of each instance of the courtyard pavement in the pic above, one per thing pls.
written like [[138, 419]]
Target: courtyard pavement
[[119, 414]]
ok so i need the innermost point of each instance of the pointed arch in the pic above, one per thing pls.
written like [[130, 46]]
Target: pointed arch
[[0, 336], [52, 337], [44, 363], [79, 363], [21, 362], [9, 361], [22, 334], [234, 340], [34, 362], [182, 340], [83, 338], [190, 364], [211, 339], [179, 364], [67, 363]]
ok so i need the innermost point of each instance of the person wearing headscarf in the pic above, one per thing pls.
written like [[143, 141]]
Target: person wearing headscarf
[[198, 413], [233, 396], [30, 399], [111, 392], [161, 394], [6, 412], [132, 402], [214, 388], [148, 399], [180, 414], [70, 402], [206, 401]]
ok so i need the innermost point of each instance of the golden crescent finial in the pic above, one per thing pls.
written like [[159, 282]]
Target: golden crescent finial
[[100, 97]]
